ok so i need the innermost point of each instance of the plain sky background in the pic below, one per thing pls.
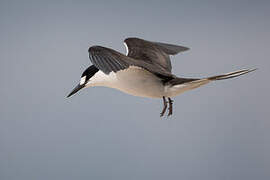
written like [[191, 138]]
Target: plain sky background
[[219, 131]]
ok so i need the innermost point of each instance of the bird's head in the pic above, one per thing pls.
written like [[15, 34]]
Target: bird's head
[[85, 79]]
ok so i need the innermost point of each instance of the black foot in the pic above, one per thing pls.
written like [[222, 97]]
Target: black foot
[[164, 107], [170, 107]]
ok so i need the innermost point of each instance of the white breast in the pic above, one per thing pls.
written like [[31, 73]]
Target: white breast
[[134, 80]]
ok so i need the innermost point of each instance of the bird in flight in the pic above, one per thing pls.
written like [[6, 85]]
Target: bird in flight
[[144, 71]]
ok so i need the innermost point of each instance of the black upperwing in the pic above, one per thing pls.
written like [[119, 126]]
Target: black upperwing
[[155, 53], [108, 60]]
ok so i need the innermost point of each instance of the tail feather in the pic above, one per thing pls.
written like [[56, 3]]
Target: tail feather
[[180, 85], [230, 75]]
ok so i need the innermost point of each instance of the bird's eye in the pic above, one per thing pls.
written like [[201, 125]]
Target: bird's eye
[[82, 81]]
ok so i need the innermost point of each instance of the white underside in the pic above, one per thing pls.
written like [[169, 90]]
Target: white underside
[[139, 82]]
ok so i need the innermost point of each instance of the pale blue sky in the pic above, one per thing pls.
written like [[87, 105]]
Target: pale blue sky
[[220, 131]]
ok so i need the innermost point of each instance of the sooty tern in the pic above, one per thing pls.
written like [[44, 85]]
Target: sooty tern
[[144, 71]]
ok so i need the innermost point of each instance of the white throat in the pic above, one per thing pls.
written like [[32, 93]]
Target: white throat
[[137, 81], [133, 80]]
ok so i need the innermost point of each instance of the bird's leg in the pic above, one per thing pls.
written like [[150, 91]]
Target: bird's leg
[[164, 106], [170, 107]]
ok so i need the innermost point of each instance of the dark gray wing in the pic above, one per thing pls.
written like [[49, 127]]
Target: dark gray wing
[[108, 60], [152, 52]]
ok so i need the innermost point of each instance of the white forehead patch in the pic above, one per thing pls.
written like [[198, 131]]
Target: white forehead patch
[[126, 48], [82, 81]]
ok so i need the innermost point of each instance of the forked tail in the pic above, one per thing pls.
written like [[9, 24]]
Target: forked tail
[[230, 75], [180, 85]]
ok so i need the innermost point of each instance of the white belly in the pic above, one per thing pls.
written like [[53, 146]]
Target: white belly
[[134, 80]]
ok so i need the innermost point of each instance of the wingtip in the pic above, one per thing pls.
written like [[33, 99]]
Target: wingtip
[[186, 48]]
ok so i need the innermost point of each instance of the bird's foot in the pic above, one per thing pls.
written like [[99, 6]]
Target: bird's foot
[[164, 107], [170, 107]]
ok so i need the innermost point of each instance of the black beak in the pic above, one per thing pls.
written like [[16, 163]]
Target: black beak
[[76, 89]]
